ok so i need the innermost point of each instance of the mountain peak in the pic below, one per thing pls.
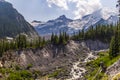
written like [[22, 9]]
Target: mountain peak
[[62, 17]]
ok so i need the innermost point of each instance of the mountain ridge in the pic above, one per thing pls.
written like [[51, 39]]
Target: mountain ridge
[[70, 26]]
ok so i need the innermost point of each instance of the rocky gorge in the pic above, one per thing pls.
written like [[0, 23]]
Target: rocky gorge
[[70, 58]]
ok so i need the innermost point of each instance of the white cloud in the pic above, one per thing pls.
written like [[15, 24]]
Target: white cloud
[[82, 7], [60, 3], [85, 7], [107, 12]]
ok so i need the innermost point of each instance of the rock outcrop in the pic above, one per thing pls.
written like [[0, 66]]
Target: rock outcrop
[[96, 45], [113, 69]]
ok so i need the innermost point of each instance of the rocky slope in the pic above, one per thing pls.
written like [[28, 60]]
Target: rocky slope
[[113, 70], [12, 22], [52, 57]]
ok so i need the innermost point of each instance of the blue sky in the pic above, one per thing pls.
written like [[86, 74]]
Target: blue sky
[[44, 10]]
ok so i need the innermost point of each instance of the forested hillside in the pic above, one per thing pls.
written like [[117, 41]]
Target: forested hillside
[[12, 23]]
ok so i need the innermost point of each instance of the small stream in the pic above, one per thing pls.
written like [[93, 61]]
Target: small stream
[[77, 71]]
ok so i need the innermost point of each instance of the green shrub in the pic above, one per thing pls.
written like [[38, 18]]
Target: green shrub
[[14, 76], [25, 74], [93, 66], [17, 67]]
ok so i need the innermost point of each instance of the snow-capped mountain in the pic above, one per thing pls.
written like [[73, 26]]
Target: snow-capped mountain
[[86, 21], [70, 26], [57, 25]]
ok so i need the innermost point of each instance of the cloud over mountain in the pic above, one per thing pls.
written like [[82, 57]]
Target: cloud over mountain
[[83, 7], [60, 3]]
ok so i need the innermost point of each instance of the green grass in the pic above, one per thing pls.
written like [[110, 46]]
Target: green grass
[[93, 66], [57, 73], [11, 74], [54, 74]]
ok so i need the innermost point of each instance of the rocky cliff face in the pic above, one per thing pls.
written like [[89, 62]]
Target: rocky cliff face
[[13, 23], [96, 45]]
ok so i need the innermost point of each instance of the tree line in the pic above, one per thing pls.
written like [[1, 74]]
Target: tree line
[[60, 39], [21, 42], [100, 32]]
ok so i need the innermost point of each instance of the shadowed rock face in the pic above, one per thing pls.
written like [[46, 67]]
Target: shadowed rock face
[[13, 23], [96, 45]]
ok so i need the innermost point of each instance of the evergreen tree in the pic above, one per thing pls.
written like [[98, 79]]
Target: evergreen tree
[[113, 52], [43, 42], [56, 40], [21, 41], [52, 37]]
